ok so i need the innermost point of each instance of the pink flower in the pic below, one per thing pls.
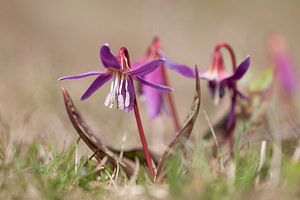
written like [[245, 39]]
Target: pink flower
[[219, 79], [154, 98], [117, 69], [283, 63]]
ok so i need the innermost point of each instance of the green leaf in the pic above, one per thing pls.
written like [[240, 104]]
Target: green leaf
[[263, 80], [261, 93]]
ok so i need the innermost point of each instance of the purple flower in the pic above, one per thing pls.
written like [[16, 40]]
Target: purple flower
[[154, 98], [117, 69], [219, 79]]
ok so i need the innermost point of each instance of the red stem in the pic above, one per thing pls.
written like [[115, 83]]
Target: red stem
[[143, 138], [225, 45], [171, 101], [124, 53], [233, 99]]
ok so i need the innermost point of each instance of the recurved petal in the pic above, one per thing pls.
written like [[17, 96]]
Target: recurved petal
[[182, 69], [98, 82], [240, 71], [159, 87], [108, 59], [147, 68], [92, 73]]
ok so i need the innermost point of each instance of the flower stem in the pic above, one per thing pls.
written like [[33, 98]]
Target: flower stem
[[234, 95], [124, 53], [170, 97], [225, 45], [143, 138]]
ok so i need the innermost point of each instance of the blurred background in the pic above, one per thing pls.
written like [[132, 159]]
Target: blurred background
[[41, 41]]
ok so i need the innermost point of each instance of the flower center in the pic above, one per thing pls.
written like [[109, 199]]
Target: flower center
[[118, 90], [218, 90]]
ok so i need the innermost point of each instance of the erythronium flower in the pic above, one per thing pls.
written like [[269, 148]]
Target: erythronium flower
[[117, 69], [122, 94], [285, 69], [219, 79], [154, 98]]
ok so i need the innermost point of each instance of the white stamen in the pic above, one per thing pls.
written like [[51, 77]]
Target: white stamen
[[115, 98], [120, 96], [121, 102], [121, 84], [115, 86], [127, 96], [111, 94], [107, 100], [108, 97], [217, 94]]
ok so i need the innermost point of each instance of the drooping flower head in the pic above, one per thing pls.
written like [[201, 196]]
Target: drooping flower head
[[154, 98], [117, 69], [219, 79], [281, 58]]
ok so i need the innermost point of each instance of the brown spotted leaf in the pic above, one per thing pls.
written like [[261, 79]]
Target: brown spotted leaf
[[183, 135], [90, 139]]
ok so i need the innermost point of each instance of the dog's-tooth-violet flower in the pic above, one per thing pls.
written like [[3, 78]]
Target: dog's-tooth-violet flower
[[219, 79], [117, 69], [154, 98], [281, 58]]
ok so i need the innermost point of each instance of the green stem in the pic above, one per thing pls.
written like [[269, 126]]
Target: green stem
[[234, 95]]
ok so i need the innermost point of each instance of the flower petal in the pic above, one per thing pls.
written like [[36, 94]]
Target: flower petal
[[159, 87], [108, 59], [154, 101], [147, 68], [182, 69], [240, 71], [206, 75], [153, 97], [286, 73], [143, 60], [82, 75], [98, 82]]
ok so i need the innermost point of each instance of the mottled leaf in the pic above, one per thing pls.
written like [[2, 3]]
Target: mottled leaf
[[183, 135], [89, 138], [139, 153]]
